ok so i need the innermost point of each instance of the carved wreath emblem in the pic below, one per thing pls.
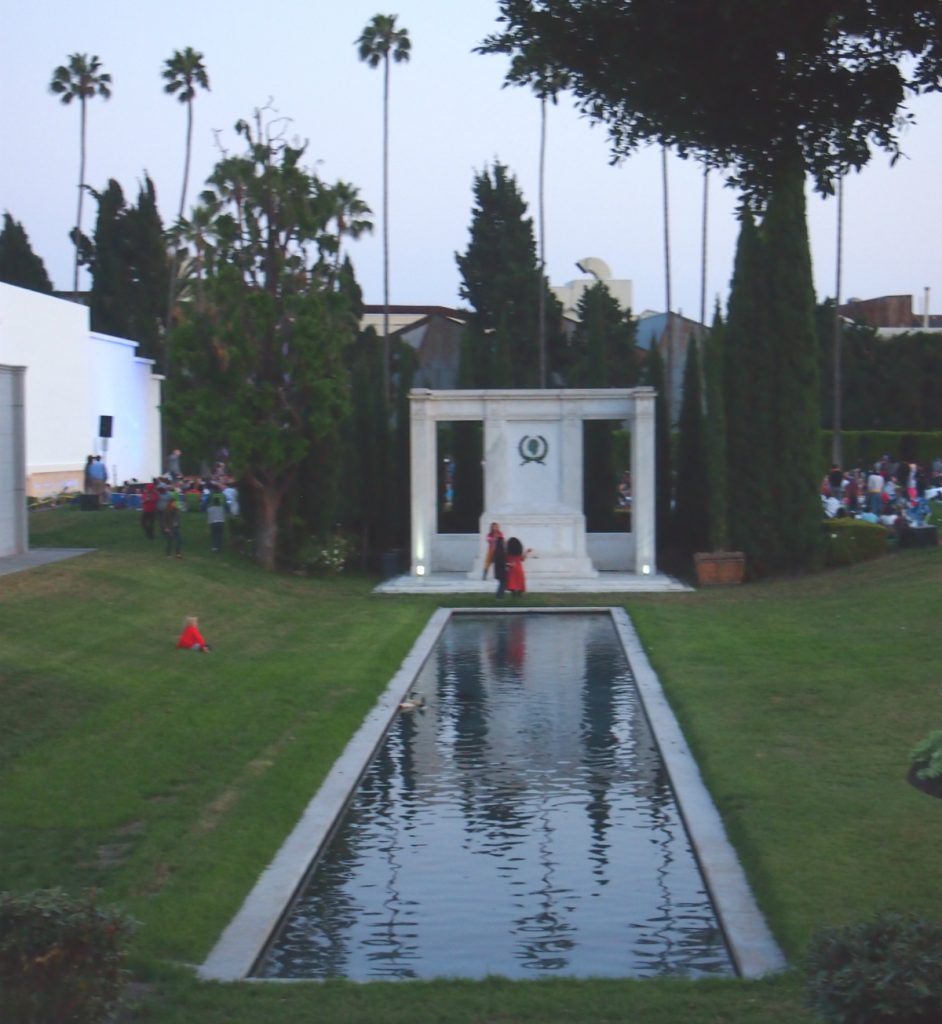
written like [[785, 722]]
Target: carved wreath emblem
[[533, 449]]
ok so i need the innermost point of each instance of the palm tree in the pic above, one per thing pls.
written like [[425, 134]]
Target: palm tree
[[81, 79], [183, 72], [669, 362], [378, 40], [350, 214]]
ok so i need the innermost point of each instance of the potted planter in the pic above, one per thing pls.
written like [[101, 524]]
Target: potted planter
[[716, 568]]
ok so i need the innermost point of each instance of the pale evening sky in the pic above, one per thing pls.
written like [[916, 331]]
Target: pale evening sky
[[449, 118]]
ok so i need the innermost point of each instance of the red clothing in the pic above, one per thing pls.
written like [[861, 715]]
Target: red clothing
[[190, 638], [149, 499], [516, 581]]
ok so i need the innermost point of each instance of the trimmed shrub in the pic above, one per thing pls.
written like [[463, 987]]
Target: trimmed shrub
[[887, 970], [926, 757], [60, 958], [851, 540]]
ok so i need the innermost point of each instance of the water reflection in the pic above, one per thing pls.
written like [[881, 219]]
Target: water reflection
[[521, 825]]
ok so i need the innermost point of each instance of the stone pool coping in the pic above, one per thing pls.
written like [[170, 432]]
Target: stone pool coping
[[751, 944]]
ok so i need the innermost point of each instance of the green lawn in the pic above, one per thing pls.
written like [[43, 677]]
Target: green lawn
[[168, 779]]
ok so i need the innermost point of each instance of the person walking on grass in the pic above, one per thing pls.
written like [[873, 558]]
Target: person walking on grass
[[170, 527], [216, 517]]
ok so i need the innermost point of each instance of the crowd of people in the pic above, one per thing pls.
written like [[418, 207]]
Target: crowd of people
[[893, 492], [165, 498]]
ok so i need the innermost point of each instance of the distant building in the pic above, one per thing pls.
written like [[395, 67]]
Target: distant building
[[569, 294], [433, 332], [891, 315]]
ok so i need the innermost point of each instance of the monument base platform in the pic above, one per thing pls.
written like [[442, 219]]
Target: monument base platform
[[602, 583]]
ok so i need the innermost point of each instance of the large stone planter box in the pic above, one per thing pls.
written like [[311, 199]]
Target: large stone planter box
[[716, 568]]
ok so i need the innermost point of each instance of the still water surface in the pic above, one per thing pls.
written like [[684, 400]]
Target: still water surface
[[522, 824]]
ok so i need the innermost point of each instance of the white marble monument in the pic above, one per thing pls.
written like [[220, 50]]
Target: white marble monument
[[533, 480]]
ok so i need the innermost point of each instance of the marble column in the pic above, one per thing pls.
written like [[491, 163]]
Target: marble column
[[643, 481], [423, 486]]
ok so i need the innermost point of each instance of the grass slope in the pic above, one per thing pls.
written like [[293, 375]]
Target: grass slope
[[168, 779]]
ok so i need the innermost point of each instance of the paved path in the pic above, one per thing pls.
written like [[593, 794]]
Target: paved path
[[38, 556]]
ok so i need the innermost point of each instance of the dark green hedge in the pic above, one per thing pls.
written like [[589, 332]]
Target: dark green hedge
[[864, 447], [851, 540]]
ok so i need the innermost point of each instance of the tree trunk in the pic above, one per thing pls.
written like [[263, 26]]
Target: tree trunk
[[669, 361], [541, 308], [386, 228], [267, 502], [186, 162], [81, 194]]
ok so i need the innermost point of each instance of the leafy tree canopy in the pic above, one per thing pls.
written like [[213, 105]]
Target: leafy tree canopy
[[19, 265], [258, 361], [737, 84]]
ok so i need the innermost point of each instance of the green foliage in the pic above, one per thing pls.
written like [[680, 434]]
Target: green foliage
[[501, 280], [654, 378], [328, 553], [792, 392], [19, 265], [603, 353], [822, 79], [714, 430], [748, 384], [888, 384], [258, 364], [691, 510], [852, 540], [130, 272], [881, 971], [926, 756], [60, 958]]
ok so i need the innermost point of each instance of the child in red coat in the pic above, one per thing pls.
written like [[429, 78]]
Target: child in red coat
[[191, 639]]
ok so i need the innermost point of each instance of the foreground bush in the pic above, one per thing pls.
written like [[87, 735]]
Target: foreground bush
[[887, 970], [851, 540], [926, 756], [60, 958]]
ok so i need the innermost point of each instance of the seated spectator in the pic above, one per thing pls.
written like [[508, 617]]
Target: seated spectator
[[191, 639]]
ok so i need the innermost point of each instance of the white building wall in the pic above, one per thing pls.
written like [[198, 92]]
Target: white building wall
[[122, 387], [72, 378]]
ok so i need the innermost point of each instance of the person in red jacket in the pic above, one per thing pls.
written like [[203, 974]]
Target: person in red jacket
[[191, 639]]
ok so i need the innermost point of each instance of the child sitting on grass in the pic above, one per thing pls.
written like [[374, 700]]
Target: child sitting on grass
[[191, 639]]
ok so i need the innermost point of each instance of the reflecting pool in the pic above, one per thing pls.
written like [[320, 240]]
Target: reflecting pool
[[521, 824]]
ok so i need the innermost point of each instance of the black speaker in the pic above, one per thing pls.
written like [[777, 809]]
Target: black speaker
[[104, 426]]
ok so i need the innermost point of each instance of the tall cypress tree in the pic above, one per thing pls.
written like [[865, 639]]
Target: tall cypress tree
[[749, 384], [794, 363], [654, 378], [501, 279], [691, 521], [714, 432], [129, 267], [603, 354], [19, 265], [149, 266]]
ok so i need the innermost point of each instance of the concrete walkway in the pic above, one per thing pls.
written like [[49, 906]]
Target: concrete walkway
[[38, 556], [604, 583]]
